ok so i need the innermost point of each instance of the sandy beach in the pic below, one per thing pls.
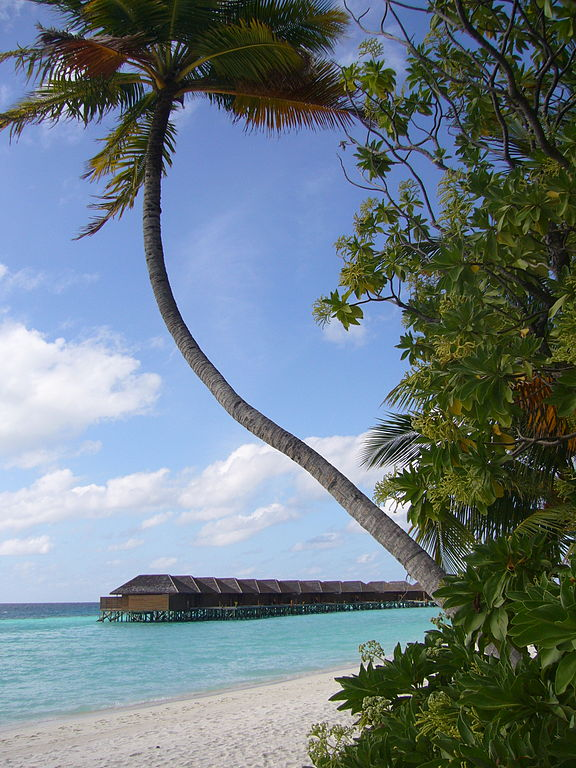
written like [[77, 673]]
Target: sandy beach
[[258, 727]]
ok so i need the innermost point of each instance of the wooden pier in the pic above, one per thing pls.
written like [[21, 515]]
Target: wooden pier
[[162, 598], [246, 612]]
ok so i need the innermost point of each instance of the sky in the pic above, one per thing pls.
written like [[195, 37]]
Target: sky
[[114, 460]]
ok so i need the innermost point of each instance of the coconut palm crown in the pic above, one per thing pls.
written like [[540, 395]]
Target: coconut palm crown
[[139, 60], [260, 60]]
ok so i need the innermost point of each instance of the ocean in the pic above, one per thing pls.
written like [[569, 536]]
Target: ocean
[[57, 660]]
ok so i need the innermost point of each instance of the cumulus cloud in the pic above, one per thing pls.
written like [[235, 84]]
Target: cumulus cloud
[[235, 528], [323, 541], [53, 390], [40, 545], [152, 522], [229, 497], [163, 563], [58, 496], [216, 491]]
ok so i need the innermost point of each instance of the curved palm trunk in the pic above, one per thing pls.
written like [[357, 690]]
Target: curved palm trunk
[[393, 538]]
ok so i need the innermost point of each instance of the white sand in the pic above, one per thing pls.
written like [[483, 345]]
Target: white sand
[[260, 727]]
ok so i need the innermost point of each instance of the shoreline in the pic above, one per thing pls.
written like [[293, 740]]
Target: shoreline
[[58, 718], [264, 725]]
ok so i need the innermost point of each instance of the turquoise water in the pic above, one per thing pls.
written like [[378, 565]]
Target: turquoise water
[[58, 660]]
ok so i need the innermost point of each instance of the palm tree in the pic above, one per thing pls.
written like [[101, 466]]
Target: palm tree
[[260, 60]]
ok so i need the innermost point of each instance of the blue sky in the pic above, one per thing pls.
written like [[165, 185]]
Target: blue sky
[[115, 460]]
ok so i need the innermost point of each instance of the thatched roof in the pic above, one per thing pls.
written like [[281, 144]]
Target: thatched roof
[[155, 584], [403, 586], [164, 584], [268, 586]]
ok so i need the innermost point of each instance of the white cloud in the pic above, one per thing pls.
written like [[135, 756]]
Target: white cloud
[[231, 530], [225, 492], [217, 490], [53, 390], [40, 545], [43, 456], [335, 333], [58, 496], [323, 541], [369, 557], [28, 279], [9, 9], [152, 522], [126, 545], [163, 562]]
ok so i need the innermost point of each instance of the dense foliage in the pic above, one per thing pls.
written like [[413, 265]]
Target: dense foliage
[[444, 703], [472, 233]]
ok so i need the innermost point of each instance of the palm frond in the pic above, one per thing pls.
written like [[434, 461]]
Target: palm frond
[[313, 98], [407, 395], [446, 539], [314, 26], [127, 17], [248, 50], [392, 441], [98, 56], [556, 520], [124, 155], [83, 100], [119, 140]]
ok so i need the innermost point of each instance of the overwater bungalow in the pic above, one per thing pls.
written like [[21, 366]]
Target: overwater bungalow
[[162, 597]]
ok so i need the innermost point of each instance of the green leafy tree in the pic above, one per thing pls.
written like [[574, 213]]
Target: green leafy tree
[[476, 245], [138, 61], [443, 703]]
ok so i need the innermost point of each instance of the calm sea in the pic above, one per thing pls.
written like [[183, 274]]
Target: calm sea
[[56, 659]]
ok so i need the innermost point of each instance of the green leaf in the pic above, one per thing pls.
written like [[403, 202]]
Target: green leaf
[[565, 673]]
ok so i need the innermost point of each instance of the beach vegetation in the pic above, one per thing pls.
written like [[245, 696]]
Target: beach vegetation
[[470, 230], [138, 62], [445, 703]]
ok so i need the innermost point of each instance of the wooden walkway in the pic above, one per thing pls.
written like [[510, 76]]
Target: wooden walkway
[[253, 611]]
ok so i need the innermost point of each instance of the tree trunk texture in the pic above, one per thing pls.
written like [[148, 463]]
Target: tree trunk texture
[[415, 560]]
